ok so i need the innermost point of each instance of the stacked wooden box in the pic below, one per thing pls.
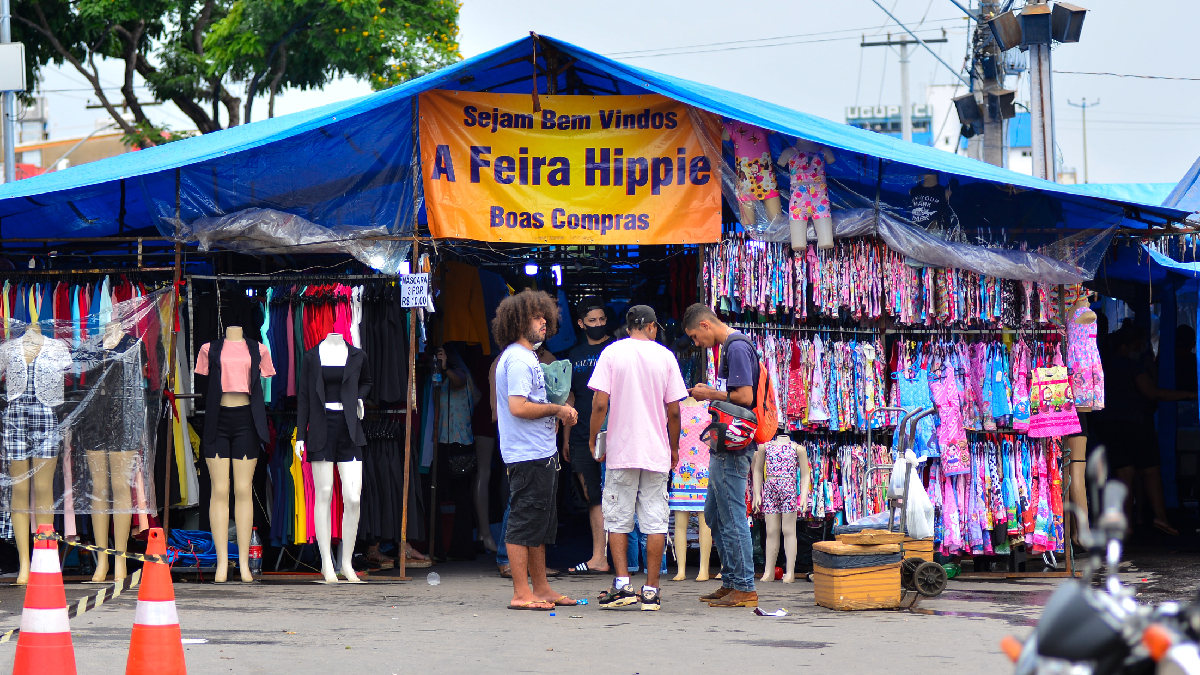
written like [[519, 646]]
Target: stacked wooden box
[[859, 571]]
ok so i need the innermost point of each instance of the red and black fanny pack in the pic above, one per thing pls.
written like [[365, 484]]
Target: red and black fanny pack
[[734, 425]]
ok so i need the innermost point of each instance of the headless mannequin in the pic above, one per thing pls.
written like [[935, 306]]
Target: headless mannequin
[[42, 479], [484, 447], [243, 491], [823, 224], [1078, 443], [747, 215], [778, 523], [333, 352], [681, 526], [109, 467]]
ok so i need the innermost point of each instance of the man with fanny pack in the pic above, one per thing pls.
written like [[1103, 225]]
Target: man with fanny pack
[[725, 503]]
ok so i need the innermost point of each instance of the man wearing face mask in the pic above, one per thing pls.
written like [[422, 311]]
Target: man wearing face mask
[[594, 323]]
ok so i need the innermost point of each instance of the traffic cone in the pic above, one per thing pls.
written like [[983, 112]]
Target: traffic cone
[[44, 645], [156, 646]]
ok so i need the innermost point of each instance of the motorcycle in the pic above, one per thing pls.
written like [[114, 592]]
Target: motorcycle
[[1105, 631]]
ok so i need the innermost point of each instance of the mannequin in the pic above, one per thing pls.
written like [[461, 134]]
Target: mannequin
[[235, 427], [806, 163], [111, 450], [484, 447], [1087, 380], [333, 377], [706, 545], [755, 175], [35, 367], [776, 473], [689, 485]]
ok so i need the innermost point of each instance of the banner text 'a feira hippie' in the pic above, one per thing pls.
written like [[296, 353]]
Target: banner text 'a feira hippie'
[[582, 170]]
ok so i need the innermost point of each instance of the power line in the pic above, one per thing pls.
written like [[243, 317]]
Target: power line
[[1142, 77], [745, 44]]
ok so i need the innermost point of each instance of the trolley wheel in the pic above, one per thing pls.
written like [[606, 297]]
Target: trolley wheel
[[929, 579], [908, 570]]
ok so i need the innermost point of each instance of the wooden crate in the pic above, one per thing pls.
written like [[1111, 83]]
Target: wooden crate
[[871, 537], [918, 548], [859, 588], [840, 548]]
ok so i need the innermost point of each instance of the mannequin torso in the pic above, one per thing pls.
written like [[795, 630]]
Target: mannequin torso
[[234, 399]]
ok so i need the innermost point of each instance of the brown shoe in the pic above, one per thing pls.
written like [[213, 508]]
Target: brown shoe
[[737, 599], [716, 595], [505, 571]]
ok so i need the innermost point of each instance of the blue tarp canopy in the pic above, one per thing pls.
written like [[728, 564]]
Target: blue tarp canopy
[[349, 164], [1186, 194]]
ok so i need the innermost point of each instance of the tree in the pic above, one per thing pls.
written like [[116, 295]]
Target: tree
[[201, 54]]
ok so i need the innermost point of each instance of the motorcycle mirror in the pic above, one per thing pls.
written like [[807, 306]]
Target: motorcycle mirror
[[1113, 518]]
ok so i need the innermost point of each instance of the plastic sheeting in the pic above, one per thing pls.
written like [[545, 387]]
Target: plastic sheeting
[[83, 405], [267, 231]]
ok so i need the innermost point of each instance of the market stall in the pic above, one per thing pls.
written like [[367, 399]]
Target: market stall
[[851, 258]]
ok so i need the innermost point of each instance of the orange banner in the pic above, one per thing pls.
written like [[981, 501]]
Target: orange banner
[[582, 170]]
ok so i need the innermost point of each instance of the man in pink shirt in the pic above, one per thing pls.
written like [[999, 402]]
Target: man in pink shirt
[[638, 389]]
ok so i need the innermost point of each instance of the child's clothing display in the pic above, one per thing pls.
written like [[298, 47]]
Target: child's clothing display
[[1083, 362], [810, 193], [780, 493], [752, 158]]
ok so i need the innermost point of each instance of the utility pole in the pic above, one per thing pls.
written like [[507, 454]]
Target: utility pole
[[994, 143], [9, 102], [1083, 109], [1041, 106], [905, 100]]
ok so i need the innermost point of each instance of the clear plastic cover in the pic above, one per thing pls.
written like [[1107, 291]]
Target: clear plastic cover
[[267, 231], [83, 402]]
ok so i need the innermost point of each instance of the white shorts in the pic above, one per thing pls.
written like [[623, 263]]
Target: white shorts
[[630, 490]]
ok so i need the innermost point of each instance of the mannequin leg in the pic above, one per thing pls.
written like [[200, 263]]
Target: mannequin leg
[[681, 526], [323, 484], [1078, 492], [43, 490], [20, 518], [351, 475], [484, 447], [774, 525], [706, 544], [101, 501], [218, 514], [774, 208], [243, 512], [789, 546], [121, 467], [746, 212]]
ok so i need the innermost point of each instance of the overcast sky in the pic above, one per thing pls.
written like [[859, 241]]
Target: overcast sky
[[1143, 131]]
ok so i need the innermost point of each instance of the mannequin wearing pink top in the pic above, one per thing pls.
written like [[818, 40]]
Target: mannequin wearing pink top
[[755, 173]]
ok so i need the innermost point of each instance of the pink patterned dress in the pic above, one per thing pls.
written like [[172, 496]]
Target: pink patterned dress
[[1083, 362]]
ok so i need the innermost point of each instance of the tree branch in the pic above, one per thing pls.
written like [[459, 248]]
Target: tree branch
[[201, 26], [189, 107], [131, 57], [252, 89], [93, 78], [275, 82]]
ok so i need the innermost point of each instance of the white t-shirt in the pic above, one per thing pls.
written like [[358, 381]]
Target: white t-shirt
[[520, 374], [640, 378]]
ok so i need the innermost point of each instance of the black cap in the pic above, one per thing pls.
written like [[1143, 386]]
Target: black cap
[[640, 316], [587, 304]]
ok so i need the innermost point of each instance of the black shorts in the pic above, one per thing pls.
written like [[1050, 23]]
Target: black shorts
[[533, 502], [339, 447], [585, 465], [236, 436], [1128, 443], [1083, 426]]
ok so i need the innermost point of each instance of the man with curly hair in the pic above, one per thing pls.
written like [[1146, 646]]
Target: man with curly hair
[[528, 425]]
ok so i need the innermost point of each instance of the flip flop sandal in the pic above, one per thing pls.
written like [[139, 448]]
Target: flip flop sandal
[[530, 606], [582, 570], [558, 602]]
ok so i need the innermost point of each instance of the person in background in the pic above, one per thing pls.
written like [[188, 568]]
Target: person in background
[[1185, 358], [528, 424], [593, 320], [456, 396], [725, 504], [638, 388], [1127, 422]]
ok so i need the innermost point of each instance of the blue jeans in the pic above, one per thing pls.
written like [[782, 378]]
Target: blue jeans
[[725, 514], [635, 555], [501, 547]]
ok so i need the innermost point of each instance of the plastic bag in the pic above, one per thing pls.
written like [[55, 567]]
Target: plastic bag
[[558, 381], [919, 507]]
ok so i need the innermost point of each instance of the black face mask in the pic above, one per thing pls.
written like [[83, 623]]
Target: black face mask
[[595, 332]]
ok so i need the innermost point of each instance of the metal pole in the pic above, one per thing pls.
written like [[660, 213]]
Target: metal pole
[[922, 43], [905, 104], [9, 101], [1041, 109], [1083, 108]]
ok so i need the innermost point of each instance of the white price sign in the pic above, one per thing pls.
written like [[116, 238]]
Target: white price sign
[[414, 290]]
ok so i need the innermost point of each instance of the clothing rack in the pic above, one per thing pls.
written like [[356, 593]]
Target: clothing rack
[[69, 272], [804, 329], [975, 331], [285, 278]]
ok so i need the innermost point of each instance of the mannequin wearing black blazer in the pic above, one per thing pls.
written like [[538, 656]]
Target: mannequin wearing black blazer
[[316, 419]]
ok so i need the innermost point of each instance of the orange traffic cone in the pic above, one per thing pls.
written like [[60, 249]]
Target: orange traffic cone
[[156, 645], [44, 645]]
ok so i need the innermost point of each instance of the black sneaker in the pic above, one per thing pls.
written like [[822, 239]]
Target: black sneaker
[[651, 600], [617, 597]]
